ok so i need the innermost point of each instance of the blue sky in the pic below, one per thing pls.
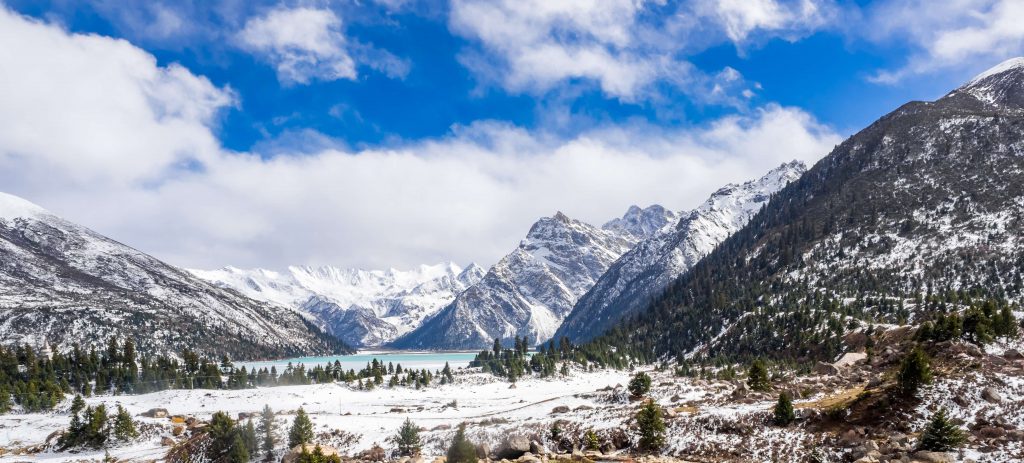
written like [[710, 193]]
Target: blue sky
[[825, 72], [528, 106]]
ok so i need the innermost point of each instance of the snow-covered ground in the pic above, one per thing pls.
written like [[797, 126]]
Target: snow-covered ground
[[373, 416]]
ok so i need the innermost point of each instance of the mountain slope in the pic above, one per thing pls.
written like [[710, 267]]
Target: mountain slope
[[927, 200], [361, 307], [531, 290], [644, 272], [65, 284]]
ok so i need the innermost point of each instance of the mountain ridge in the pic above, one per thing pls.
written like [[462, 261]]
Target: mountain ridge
[[68, 285]]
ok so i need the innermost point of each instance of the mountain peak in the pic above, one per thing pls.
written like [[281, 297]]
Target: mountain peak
[[999, 87], [1012, 64], [642, 223], [12, 207]]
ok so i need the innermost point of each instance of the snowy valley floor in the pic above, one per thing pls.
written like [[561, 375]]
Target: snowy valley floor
[[707, 420]]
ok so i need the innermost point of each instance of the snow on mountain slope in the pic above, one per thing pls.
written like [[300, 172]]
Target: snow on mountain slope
[[64, 284], [362, 307], [644, 271], [999, 87], [643, 223], [531, 290], [907, 219]]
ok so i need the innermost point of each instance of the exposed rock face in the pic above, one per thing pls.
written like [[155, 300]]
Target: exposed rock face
[[62, 283], [529, 292]]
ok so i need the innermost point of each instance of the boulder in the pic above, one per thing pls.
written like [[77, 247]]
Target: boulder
[[166, 441], [825, 369], [991, 395], [483, 450], [849, 359], [528, 458], [850, 438], [934, 457], [560, 409], [155, 413], [619, 439], [537, 448], [1012, 354], [607, 448], [990, 432], [293, 454], [512, 447]]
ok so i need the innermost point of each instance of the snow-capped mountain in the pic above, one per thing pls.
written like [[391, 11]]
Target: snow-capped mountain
[[361, 307], [644, 271], [63, 284], [640, 223], [913, 215], [531, 290]]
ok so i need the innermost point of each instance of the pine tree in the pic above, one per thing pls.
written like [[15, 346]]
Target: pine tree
[[590, 440], [249, 438], [941, 435], [5, 400], [77, 405], [757, 376], [238, 453], [222, 434], [408, 439], [784, 410], [461, 450], [124, 425], [652, 427], [640, 385], [266, 430], [301, 431], [914, 372]]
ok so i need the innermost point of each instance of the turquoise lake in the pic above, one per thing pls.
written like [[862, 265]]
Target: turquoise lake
[[416, 360]]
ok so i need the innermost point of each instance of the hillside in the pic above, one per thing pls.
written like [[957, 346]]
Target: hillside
[[63, 284], [927, 200], [643, 273]]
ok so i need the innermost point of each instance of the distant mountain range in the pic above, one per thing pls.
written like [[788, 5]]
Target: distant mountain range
[[529, 292], [361, 307], [63, 284]]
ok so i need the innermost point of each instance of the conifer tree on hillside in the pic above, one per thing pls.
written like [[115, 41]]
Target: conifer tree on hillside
[[124, 425], [590, 440], [914, 372], [652, 427], [784, 414], [238, 453], [408, 439], [266, 431], [461, 450], [757, 376], [301, 431], [249, 438], [941, 435], [5, 400], [640, 385]]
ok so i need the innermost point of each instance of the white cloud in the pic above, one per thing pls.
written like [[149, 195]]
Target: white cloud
[[956, 34], [627, 47], [95, 130], [113, 116], [302, 43], [742, 18]]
